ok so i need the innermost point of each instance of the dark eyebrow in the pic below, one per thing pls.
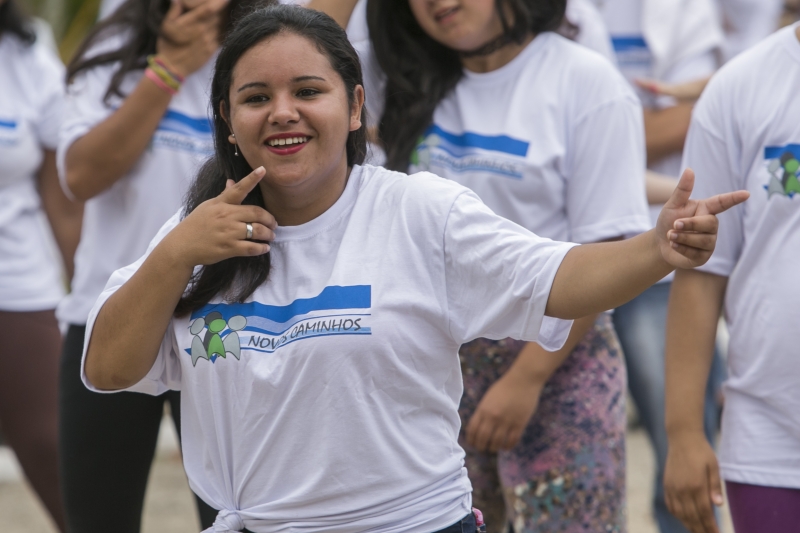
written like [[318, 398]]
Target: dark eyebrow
[[294, 80]]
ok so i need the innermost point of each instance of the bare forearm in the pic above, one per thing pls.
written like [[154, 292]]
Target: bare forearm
[[593, 278], [665, 130], [64, 215], [338, 10], [535, 364], [694, 308], [131, 325], [659, 187], [98, 159]]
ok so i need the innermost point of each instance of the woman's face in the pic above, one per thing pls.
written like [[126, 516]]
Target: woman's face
[[461, 25], [289, 112]]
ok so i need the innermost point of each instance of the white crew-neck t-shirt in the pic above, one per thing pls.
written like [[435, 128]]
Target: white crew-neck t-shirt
[[745, 135], [32, 89], [119, 223], [334, 407], [552, 141]]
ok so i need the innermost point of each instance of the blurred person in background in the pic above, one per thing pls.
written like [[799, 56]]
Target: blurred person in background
[[746, 22], [658, 44], [136, 129], [31, 278], [507, 114], [745, 133]]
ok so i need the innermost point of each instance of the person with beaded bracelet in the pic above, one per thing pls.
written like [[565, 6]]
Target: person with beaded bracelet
[[136, 129]]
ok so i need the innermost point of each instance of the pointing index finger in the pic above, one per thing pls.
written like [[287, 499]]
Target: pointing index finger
[[722, 202], [235, 194]]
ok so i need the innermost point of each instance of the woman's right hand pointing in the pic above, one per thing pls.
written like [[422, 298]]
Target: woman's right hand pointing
[[217, 229]]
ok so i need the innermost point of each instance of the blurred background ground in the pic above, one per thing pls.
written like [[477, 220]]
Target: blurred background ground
[[169, 507]]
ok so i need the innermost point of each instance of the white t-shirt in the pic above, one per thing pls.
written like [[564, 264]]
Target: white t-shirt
[[119, 223], [592, 33], [745, 135], [31, 106], [335, 405], [552, 141]]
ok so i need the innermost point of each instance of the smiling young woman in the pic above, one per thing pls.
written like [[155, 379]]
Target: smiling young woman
[[310, 308]]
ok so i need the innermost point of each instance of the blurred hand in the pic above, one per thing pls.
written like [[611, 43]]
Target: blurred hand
[[503, 413], [692, 483], [217, 229], [689, 91], [190, 36], [687, 229]]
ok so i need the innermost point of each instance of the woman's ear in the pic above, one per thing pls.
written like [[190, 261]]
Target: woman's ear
[[355, 110], [223, 112]]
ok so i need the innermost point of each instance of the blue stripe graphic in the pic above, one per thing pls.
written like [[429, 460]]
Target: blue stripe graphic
[[333, 297], [496, 143], [10, 124], [774, 152], [624, 44], [180, 123]]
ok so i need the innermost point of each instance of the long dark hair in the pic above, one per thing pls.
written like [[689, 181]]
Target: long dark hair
[[13, 20], [139, 21], [421, 72], [238, 277]]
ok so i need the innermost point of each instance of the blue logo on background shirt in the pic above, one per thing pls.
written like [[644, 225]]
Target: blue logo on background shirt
[[182, 132], [631, 50], [9, 133], [470, 152], [230, 328]]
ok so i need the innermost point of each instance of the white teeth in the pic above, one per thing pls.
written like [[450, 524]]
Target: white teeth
[[287, 141]]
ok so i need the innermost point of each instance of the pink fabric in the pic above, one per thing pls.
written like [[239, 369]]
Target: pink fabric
[[758, 509]]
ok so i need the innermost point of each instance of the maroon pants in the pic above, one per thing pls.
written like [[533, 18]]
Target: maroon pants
[[29, 362], [758, 509]]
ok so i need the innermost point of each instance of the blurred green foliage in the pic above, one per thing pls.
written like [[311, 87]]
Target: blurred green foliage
[[70, 20]]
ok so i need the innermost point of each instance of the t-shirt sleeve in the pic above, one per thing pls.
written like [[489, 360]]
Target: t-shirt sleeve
[[166, 371], [498, 277], [605, 189], [84, 108], [709, 155], [51, 91]]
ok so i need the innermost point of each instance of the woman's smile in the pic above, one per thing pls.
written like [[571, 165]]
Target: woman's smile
[[287, 143]]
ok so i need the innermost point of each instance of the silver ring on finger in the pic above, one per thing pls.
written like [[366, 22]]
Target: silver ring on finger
[[249, 231]]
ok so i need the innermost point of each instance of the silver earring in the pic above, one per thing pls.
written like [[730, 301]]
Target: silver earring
[[236, 150]]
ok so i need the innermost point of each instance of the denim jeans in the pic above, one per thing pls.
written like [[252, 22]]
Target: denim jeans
[[641, 327], [465, 525]]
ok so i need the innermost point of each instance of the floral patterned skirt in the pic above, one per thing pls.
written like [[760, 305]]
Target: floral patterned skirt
[[567, 473]]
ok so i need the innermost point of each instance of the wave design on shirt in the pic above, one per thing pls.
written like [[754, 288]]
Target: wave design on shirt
[[8, 131], [178, 131], [470, 152], [223, 329], [783, 166], [631, 50]]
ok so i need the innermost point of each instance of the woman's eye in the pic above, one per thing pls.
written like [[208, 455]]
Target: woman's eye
[[307, 92], [256, 98]]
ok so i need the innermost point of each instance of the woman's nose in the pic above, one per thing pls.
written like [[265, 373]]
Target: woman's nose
[[283, 110]]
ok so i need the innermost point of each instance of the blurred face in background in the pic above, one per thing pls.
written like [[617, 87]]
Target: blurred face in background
[[461, 25]]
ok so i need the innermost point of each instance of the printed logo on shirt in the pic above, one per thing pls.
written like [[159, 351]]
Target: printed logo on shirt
[[219, 330], [177, 131], [470, 152], [631, 51], [783, 165], [9, 132]]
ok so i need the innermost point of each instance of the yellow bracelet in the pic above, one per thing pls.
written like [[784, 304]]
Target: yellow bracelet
[[169, 78]]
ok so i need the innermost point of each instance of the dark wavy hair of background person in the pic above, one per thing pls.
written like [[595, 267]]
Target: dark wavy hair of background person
[[420, 72], [14, 21], [235, 279], [140, 21]]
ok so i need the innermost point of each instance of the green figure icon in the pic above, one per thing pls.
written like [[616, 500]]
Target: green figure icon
[[790, 166], [213, 345]]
